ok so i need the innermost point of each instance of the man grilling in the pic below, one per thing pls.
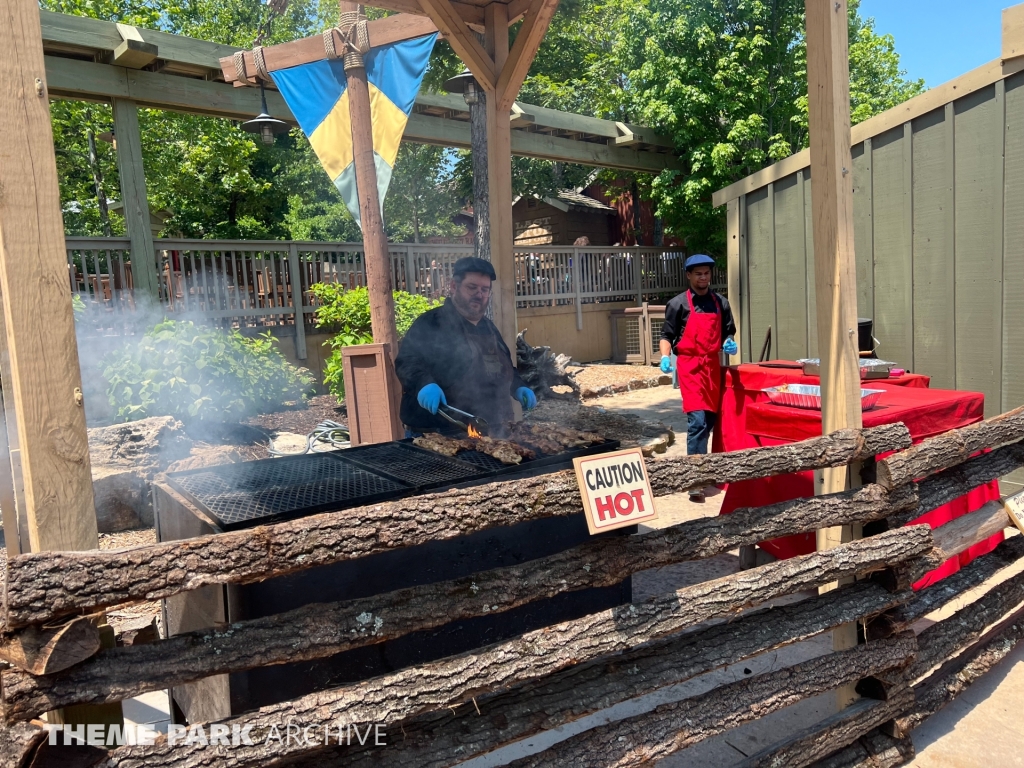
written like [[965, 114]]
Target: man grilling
[[454, 355], [697, 324]]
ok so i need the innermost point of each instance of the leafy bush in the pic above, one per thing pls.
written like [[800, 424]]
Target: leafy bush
[[347, 312], [197, 373]]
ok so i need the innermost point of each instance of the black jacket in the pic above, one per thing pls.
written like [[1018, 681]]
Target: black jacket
[[677, 311], [436, 350]]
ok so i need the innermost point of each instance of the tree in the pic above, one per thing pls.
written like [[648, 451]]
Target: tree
[[726, 79], [421, 200]]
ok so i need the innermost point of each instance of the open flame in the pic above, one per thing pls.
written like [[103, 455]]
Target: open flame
[[473, 432]]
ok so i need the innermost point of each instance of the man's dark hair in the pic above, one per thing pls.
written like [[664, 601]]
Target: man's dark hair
[[472, 264]]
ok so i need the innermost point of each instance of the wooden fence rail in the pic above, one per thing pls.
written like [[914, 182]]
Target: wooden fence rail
[[457, 707]]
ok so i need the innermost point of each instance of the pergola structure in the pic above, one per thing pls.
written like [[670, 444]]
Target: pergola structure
[[90, 59]]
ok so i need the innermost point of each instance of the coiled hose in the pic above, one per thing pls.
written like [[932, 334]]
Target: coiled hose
[[326, 433]]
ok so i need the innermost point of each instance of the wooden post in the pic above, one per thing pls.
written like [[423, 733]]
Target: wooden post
[[499, 179], [133, 194], [295, 277], [45, 382], [835, 271], [735, 289], [375, 242]]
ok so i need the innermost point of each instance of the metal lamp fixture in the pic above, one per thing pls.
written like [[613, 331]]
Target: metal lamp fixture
[[463, 83], [263, 124]]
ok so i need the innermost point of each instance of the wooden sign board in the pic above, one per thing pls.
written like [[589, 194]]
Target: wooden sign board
[[1014, 507], [615, 489]]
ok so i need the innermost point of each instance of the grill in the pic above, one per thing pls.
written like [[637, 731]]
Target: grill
[[258, 492]]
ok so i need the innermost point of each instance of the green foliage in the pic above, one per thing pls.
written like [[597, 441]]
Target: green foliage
[[198, 373], [727, 81], [347, 313]]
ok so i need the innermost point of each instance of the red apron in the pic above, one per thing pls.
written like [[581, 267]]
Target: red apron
[[699, 371]]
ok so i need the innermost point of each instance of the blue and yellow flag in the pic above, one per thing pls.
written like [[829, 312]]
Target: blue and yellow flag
[[317, 95]]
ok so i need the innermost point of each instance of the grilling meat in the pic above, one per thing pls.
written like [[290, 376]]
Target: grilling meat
[[446, 446], [504, 451], [545, 435]]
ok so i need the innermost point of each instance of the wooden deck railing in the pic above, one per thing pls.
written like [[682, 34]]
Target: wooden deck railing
[[464, 705]]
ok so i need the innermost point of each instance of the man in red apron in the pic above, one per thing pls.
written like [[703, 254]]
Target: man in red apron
[[698, 323]]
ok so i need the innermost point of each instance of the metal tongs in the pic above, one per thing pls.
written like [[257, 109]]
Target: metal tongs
[[480, 425]]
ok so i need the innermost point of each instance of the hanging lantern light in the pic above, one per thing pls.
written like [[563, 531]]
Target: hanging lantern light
[[263, 124], [463, 83]]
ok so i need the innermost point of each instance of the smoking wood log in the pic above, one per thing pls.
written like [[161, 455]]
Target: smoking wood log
[[44, 585], [973, 528], [652, 736], [952, 448], [958, 674], [321, 630], [838, 730], [953, 483], [18, 742], [945, 638], [874, 750], [431, 740], [45, 650], [409, 692], [936, 596]]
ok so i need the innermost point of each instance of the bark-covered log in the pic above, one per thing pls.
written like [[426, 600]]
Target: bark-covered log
[[945, 638], [841, 447], [959, 673], [669, 728], [970, 529], [953, 483], [952, 448], [820, 740], [431, 740], [875, 750], [44, 585], [537, 654], [18, 742], [320, 630], [936, 596], [49, 649]]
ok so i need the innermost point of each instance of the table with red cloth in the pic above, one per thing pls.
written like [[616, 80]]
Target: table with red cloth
[[926, 412]]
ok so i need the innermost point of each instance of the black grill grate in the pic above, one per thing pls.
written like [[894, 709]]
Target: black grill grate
[[239, 494], [412, 465], [482, 460]]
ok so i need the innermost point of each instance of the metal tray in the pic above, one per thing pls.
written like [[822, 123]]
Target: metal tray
[[809, 396], [869, 367]]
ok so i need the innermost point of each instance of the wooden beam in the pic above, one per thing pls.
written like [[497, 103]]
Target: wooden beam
[[528, 40], [380, 32], [45, 381], [1013, 32], [732, 250], [133, 52], [462, 40], [49, 649], [835, 272], [499, 182], [134, 197]]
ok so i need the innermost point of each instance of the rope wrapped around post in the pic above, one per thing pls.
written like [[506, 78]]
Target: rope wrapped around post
[[352, 26]]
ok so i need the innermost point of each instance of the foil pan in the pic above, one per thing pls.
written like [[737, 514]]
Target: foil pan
[[869, 367], [809, 396]]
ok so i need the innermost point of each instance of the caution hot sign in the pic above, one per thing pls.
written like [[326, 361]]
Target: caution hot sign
[[615, 489]]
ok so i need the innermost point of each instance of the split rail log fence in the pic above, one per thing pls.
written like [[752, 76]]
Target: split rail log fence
[[454, 708]]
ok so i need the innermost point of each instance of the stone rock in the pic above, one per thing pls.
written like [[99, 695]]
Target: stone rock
[[125, 458]]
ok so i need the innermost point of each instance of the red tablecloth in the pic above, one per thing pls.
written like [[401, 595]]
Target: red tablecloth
[[926, 412], [742, 388]]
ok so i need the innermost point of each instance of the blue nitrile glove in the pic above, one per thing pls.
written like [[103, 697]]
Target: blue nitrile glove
[[430, 397], [666, 364], [525, 396], [729, 347]]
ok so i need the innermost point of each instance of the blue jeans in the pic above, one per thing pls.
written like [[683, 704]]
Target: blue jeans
[[698, 429]]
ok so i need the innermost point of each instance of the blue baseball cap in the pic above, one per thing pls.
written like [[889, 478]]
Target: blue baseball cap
[[699, 260]]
